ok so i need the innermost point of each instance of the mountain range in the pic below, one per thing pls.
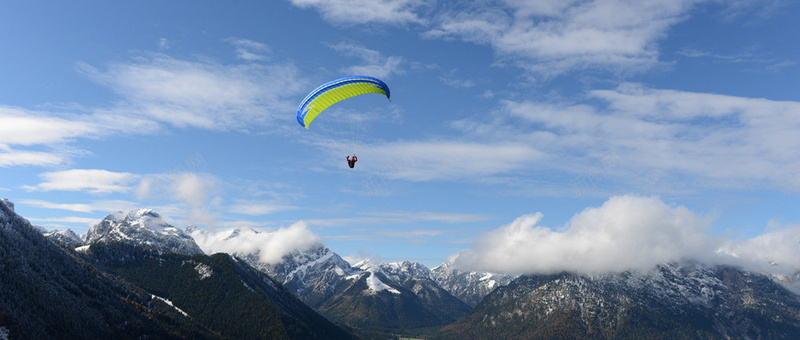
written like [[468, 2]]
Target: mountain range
[[373, 300], [138, 277], [672, 301], [154, 280]]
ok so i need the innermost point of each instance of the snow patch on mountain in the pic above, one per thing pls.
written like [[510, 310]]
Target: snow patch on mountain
[[204, 271], [375, 285], [168, 302]]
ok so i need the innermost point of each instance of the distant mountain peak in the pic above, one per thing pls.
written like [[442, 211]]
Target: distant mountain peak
[[469, 286], [407, 269], [65, 237], [142, 227]]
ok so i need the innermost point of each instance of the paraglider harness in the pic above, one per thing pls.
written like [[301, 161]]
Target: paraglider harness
[[352, 161]]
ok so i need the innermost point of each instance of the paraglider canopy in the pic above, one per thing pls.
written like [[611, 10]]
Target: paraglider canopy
[[335, 91]]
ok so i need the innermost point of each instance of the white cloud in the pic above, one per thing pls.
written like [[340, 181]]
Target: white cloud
[[451, 160], [777, 251], [270, 246], [192, 189], [95, 181], [376, 65], [625, 233], [365, 11], [451, 79], [249, 50], [23, 127], [256, 208], [394, 217], [721, 141], [750, 56], [193, 195], [157, 89], [628, 233], [20, 158], [754, 11], [202, 94], [101, 206], [554, 37], [711, 135], [31, 129], [163, 44]]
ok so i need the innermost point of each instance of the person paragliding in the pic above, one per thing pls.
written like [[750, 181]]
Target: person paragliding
[[331, 93], [352, 161]]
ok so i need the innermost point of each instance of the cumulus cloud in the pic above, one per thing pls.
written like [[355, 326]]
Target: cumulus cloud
[[776, 251], [196, 194], [270, 246], [192, 188], [625, 233], [628, 233]]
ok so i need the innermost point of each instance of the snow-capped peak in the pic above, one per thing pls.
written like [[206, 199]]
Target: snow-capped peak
[[367, 265], [66, 237], [407, 269], [142, 227]]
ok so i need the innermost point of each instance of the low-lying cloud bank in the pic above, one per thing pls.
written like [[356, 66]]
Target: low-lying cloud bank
[[270, 246], [625, 233]]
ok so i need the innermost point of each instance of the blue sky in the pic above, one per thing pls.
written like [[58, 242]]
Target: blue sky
[[510, 123]]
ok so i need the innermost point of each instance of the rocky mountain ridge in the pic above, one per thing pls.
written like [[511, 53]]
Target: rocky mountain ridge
[[379, 299], [127, 283], [682, 301], [142, 227]]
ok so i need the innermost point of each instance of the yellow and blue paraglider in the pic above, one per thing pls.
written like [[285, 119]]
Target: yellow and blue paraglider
[[333, 92]]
